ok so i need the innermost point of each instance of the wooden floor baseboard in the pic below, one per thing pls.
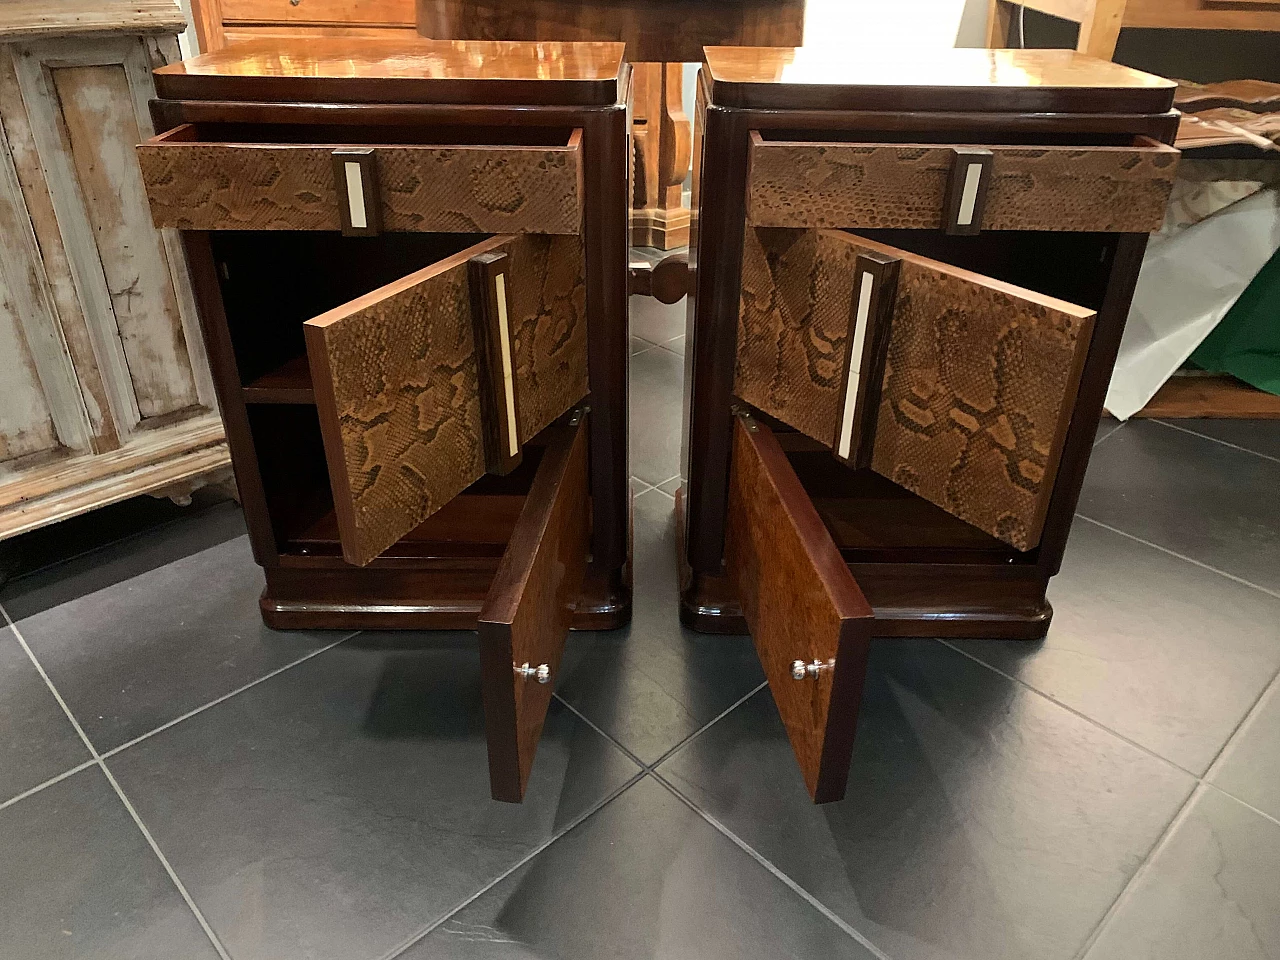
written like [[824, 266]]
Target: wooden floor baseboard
[[1218, 396]]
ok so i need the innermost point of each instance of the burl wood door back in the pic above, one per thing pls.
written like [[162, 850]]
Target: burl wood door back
[[400, 375], [969, 381]]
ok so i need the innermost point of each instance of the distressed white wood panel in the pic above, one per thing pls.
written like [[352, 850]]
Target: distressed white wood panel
[[101, 131], [46, 241], [26, 425], [91, 262], [40, 402]]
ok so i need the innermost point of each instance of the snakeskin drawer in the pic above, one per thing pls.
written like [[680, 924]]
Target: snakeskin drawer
[[961, 189], [361, 189]]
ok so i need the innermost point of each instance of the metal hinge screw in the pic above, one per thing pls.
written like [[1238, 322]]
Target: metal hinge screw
[[800, 669], [541, 673]]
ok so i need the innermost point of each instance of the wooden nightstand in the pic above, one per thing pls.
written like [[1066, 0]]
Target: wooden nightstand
[[911, 280], [410, 264]]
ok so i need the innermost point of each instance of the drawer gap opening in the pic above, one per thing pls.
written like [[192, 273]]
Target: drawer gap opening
[[274, 281], [475, 525], [958, 137], [873, 520], [370, 135], [1029, 259]]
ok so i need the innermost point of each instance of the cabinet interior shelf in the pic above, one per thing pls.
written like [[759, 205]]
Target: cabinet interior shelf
[[288, 383]]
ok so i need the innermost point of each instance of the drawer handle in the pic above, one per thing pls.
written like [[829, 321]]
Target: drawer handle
[[967, 190], [801, 670], [541, 673], [875, 291], [499, 403], [355, 173]]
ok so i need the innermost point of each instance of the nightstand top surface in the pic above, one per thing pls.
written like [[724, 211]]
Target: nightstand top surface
[[933, 79], [344, 70]]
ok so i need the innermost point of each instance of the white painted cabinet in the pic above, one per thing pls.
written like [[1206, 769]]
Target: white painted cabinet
[[104, 388]]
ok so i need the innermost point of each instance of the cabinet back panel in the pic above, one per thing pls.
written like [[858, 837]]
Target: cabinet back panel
[[274, 281]]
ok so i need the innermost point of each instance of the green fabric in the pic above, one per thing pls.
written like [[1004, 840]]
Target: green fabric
[[1246, 344]]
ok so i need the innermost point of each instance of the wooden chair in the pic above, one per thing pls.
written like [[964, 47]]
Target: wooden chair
[[1099, 22]]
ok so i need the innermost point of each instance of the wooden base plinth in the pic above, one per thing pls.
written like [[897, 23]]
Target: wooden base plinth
[[417, 599], [953, 601], [663, 229]]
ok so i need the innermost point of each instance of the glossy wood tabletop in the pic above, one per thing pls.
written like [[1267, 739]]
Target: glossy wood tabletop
[[409, 70], [671, 31], [933, 79]]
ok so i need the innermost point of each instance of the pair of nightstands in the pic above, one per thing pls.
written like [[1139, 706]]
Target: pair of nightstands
[[410, 261]]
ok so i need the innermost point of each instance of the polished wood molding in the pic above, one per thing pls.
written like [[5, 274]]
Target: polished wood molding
[[667, 281], [1001, 81], [399, 70]]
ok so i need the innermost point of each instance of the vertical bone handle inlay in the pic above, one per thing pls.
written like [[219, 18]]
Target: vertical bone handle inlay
[[508, 374], [355, 194], [969, 197], [849, 408]]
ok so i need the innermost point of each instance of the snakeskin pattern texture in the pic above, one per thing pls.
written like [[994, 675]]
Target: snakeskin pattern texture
[[472, 189], [397, 371], [548, 290], [979, 382], [402, 380], [868, 186]]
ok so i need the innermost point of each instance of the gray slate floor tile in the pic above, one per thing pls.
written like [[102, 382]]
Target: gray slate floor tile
[[37, 741], [981, 820], [1211, 891], [80, 881], [1191, 495], [1250, 765], [654, 683], [1159, 650], [645, 878], [655, 321], [143, 651], [336, 808], [1260, 436], [657, 378]]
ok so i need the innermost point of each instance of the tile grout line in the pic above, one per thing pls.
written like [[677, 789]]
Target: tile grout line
[[226, 696], [1253, 711], [1204, 778], [155, 847], [415, 938], [778, 874], [1225, 443], [1067, 707], [652, 767], [1110, 433], [1174, 553], [1244, 803], [1143, 869], [709, 724], [634, 758], [48, 783]]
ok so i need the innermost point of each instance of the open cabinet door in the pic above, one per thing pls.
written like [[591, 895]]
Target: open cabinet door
[[809, 620], [956, 386], [526, 616], [426, 384]]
